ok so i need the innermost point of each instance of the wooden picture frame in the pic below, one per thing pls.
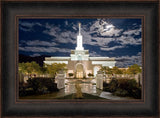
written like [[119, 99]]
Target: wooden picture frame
[[148, 10]]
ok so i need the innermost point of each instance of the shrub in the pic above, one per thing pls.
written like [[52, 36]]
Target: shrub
[[113, 85], [90, 74], [106, 88], [123, 87], [22, 91], [105, 84], [35, 84], [136, 93], [123, 83], [121, 92], [38, 86], [70, 74], [41, 83], [132, 84]]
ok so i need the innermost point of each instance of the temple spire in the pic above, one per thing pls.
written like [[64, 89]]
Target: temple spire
[[79, 28], [79, 39]]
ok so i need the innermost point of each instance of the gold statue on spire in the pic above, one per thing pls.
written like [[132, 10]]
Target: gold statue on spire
[[79, 28]]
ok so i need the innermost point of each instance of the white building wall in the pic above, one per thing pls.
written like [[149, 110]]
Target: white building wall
[[96, 69], [51, 62], [60, 58], [76, 57], [105, 63]]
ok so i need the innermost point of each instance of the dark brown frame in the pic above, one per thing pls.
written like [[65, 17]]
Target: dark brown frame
[[9, 112]]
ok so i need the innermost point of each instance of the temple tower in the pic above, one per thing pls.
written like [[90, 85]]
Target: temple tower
[[79, 39], [79, 53]]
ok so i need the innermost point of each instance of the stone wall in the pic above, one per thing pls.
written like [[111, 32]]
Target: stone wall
[[99, 80], [60, 80]]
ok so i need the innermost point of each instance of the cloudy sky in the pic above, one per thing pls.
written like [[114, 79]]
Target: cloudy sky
[[119, 38]]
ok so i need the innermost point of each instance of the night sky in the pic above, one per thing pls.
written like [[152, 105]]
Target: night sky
[[119, 38]]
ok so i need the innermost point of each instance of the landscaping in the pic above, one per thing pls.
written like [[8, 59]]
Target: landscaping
[[45, 87], [124, 88], [85, 96], [37, 86]]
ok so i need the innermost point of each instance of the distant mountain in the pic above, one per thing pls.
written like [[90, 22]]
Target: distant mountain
[[38, 59]]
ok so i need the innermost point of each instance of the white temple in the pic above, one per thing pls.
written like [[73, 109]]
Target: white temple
[[79, 63]]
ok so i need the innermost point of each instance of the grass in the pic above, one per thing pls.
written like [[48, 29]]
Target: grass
[[44, 96], [53, 96], [85, 96]]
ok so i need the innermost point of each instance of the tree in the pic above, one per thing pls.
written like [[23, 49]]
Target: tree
[[109, 70], [124, 71], [106, 70], [134, 69], [55, 67], [29, 68], [44, 69], [35, 68], [22, 68], [116, 70]]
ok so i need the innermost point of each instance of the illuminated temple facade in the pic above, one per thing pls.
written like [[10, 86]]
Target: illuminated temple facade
[[80, 63]]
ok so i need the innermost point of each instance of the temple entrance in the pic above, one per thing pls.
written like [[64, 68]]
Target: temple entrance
[[79, 71]]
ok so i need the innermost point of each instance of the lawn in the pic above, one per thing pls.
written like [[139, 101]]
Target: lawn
[[85, 96], [53, 96]]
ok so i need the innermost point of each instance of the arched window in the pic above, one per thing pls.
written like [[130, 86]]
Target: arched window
[[79, 70]]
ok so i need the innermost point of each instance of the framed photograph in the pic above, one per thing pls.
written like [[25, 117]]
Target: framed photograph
[[85, 73], [79, 59]]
